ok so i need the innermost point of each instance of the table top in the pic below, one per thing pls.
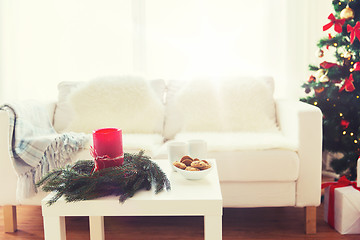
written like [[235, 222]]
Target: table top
[[186, 197]]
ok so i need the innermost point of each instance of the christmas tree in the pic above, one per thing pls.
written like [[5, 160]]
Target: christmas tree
[[334, 85]]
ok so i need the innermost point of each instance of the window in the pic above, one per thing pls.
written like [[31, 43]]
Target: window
[[44, 42]]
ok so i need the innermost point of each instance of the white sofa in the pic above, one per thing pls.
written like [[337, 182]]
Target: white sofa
[[274, 163]]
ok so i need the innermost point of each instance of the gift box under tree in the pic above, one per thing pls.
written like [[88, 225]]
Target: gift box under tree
[[342, 204]]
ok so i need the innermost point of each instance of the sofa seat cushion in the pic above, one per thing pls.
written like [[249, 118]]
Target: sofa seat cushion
[[132, 143], [234, 141], [275, 165], [150, 143], [255, 156], [252, 165]]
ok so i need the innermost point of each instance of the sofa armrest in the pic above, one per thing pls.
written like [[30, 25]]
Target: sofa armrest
[[8, 177], [302, 122]]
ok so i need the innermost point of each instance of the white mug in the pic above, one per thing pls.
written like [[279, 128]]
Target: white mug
[[197, 148], [176, 150]]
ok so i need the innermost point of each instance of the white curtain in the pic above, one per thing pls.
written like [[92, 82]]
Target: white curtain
[[44, 42], [213, 37]]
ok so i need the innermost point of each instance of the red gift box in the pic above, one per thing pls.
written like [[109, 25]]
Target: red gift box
[[343, 182]]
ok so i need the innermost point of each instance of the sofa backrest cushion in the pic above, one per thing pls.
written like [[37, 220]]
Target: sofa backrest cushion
[[127, 102], [219, 105]]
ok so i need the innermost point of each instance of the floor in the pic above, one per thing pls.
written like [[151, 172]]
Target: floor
[[256, 223]]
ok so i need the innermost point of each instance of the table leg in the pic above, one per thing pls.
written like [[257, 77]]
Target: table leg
[[54, 228], [213, 227], [97, 228]]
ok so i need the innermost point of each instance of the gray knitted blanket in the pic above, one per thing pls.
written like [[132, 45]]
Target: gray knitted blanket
[[35, 147]]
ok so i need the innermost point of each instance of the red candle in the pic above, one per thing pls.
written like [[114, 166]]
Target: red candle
[[108, 141]]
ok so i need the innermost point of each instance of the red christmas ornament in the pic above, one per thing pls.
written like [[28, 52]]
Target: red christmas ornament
[[311, 79], [327, 65], [344, 123], [357, 66], [348, 84], [354, 32], [338, 23]]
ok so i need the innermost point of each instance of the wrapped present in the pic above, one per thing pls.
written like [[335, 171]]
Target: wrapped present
[[342, 205]]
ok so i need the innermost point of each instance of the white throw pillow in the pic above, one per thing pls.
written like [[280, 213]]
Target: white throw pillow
[[127, 102], [217, 105], [64, 113]]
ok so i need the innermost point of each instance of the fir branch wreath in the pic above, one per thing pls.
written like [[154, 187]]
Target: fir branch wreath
[[78, 182]]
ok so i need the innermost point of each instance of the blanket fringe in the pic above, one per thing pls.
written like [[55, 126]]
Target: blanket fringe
[[60, 152]]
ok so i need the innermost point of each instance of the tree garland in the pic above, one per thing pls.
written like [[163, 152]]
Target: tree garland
[[78, 182]]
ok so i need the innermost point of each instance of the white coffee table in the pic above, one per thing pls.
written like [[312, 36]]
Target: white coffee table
[[186, 198]]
